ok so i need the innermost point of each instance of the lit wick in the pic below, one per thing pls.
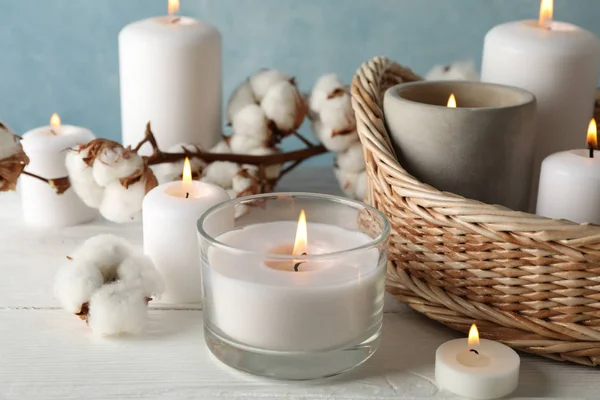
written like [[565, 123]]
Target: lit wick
[[187, 195], [298, 264], [54, 124], [474, 351], [301, 241], [173, 6], [592, 137]]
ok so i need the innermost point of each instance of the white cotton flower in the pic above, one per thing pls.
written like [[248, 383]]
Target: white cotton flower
[[351, 160], [122, 205], [336, 143], [75, 283], [231, 193], [138, 270], [243, 144], [347, 181], [221, 148], [171, 171], [324, 86], [118, 308], [9, 143], [264, 79], [337, 114], [251, 121], [360, 190], [241, 97], [115, 163], [457, 71], [243, 181], [103, 252], [82, 178], [284, 105], [271, 171], [221, 173]]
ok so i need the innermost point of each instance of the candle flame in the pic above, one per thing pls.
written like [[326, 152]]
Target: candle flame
[[592, 135], [187, 171], [451, 101], [546, 12], [173, 6], [300, 244], [55, 121], [473, 337]]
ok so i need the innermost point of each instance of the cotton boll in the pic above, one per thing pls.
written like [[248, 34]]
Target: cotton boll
[[263, 80], [252, 121], [458, 71], [221, 173], [231, 193], [351, 160], [324, 86], [118, 308], [9, 144], [284, 105], [243, 181], [243, 144], [360, 189], [335, 142], [221, 148], [104, 253], [138, 270], [82, 178], [337, 114], [75, 283], [115, 163], [122, 205], [347, 181], [272, 171], [241, 97]]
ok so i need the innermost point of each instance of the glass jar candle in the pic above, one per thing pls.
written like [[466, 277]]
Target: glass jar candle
[[293, 283]]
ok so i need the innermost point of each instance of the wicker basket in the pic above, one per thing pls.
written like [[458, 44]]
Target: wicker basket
[[529, 282]]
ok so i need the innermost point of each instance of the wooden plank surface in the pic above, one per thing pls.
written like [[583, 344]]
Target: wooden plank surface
[[46, 353]]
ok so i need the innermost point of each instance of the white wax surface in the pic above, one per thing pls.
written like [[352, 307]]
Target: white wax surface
[[492, 374], [570, 187], [170, 238], [559, 66], [42, 207], [327, 304], [170, 75]]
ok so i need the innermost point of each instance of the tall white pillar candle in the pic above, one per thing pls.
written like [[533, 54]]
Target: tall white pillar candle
[[46, 148], [556, 61], [170, 74], [570, 184], [170, 212]]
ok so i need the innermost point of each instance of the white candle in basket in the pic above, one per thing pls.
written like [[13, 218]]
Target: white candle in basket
[[570, 183], [170, 74], [477, 369], [558, 63], [46, 148], [170, 212], [309, 304]]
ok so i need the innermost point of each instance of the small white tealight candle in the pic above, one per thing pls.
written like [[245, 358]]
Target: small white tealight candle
[[478, 369], [46, 148], [170, 212], [570, 183]]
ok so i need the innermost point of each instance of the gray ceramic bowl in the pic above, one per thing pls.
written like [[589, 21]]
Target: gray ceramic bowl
[[482, 150]]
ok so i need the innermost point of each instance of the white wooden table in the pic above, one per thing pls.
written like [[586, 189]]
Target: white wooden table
[[47, 353]]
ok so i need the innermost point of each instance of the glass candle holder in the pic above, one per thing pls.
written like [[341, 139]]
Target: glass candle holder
[[288, 299]]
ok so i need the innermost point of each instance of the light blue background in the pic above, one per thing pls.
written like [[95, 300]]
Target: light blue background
[[61, 55]]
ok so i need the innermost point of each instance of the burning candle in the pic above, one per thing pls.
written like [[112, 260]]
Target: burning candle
[[478, 369], [170, 212], [170, 73], [290, 291], [556, 61], [570, 183], [46, 147]]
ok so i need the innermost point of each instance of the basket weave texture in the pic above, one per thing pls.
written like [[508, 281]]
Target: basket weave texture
[[532, 283]]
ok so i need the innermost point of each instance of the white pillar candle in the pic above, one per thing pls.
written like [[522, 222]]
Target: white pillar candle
[[170, 74], [46, 148], [556, 61], [326, 304], [570, 183], [170, 212], [477, 369]]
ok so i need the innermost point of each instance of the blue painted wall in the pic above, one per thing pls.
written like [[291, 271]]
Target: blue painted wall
[[61, 55]]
